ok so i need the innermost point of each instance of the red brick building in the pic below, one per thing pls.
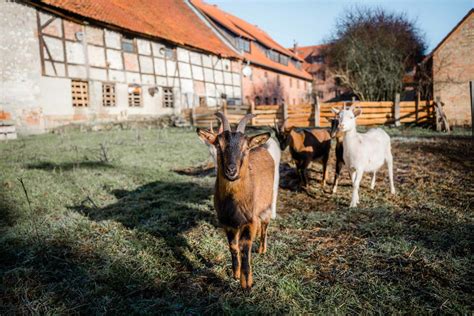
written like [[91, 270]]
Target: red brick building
[[452, 70], [324, 86], [276, 75]]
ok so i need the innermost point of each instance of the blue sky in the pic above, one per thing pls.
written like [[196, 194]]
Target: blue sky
[[311, 22]]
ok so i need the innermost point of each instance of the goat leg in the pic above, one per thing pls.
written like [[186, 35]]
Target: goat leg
[[233, 239], [263, 238], [245, 242]]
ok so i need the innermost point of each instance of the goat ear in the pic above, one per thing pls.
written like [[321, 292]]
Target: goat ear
[[258, 140], [335, 111], [206, 136], [357, 111]]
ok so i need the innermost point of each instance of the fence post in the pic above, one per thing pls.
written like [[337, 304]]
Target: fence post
[[224, 106], [317, 112], [193, 116], [417, 106], [252, 111], [437, 115], [471, 86], [285, 111], [396, 109]]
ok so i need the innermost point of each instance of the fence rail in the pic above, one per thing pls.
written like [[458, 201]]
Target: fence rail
[[306, 115]]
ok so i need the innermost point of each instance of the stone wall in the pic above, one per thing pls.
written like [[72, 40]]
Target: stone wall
[[20, 69], [453, 68]]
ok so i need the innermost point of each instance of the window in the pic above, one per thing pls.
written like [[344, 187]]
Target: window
[[134, 96], [80, 93], [296, 63], [257, 100], [284, 60], [273, 55], [108, 94], [321, 75], [319, 59], [168, 53], [242, 44], [267, 100], [275, 101], [278, 80], [265, 74], [291, 82], [168, 98], [305, 85], [297, 84], [128, 45]]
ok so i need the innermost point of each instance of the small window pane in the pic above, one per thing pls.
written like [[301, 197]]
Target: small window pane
[[134, 96], [168, 98], [128, 45], [108, 94]]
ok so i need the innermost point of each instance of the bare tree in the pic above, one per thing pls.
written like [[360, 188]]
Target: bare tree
[[372, 49]]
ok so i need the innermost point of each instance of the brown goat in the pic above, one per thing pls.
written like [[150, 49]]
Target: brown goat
[[305, 146], [243, 191]]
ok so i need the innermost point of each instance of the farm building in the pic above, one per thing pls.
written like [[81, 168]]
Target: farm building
[[277, 75], [91, 61], [452, 66], [81, 61], [324, 85]]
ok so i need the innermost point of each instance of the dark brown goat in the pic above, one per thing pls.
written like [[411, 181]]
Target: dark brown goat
[[305, 146], [243, 191]]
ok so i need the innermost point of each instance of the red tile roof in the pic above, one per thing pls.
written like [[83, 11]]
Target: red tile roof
[[309, 51], [253, 33], [170, 20]]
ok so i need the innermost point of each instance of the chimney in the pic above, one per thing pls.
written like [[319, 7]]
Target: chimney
[[295, 47]]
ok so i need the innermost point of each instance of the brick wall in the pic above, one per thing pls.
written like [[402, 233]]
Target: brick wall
[[453, 68]]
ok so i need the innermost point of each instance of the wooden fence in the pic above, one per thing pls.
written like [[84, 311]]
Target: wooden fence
[[306, 115]]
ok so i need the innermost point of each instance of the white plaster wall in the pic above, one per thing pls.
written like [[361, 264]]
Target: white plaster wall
[[55, 96]]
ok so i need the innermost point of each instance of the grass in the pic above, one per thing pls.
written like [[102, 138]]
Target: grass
[[133, 231]]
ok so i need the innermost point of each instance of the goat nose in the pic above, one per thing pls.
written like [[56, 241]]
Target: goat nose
[[232, 168]]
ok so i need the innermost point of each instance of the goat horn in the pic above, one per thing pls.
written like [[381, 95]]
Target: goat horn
[[224, 121], [211, 128], [275, 124], [243, 122]]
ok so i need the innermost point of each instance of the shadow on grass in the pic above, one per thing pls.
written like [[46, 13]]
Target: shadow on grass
[[66, 166], [168, 210], [59, 275]]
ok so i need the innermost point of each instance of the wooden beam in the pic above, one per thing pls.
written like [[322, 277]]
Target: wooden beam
[[317, 113]]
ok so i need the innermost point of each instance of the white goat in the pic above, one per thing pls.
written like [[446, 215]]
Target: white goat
[[363, 152], [274, 149]]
